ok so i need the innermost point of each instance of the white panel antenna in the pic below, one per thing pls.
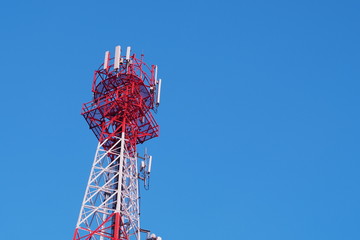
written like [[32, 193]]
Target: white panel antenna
[[106, 60], [117, 57], [158, 92], [128, 50], [142, 166], [156, 73], [150, 161]]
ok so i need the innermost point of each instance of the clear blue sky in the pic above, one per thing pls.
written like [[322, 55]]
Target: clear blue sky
[[259, 116]]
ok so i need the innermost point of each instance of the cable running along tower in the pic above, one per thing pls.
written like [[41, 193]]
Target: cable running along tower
[[126, 93]]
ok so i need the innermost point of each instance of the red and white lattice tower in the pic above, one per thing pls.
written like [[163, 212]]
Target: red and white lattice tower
[[126, 92]]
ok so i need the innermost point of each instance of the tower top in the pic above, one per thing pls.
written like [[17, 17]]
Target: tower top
[[126, 93]]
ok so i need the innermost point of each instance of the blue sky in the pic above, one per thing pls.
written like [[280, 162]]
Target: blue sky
[[259, 115]]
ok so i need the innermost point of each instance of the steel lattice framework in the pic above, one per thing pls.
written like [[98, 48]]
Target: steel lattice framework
[[126, 92]]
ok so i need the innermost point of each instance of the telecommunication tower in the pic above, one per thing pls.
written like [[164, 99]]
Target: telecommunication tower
[[126, 93]]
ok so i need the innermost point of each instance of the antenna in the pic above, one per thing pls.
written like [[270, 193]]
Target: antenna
[[117, 57], [106, 60], [156, 73], [158, 93], [111, 208], [150, 161], [128, 49]]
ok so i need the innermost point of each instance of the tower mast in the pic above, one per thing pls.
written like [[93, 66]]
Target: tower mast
[[126, 92]]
